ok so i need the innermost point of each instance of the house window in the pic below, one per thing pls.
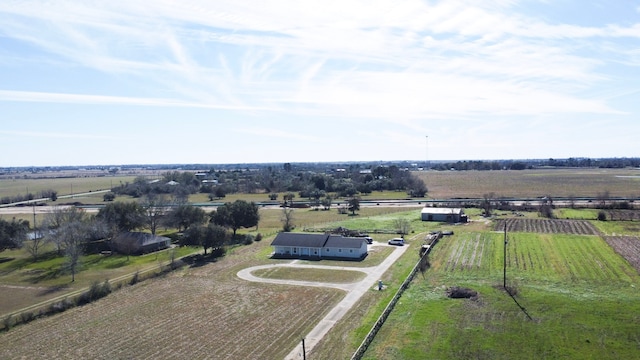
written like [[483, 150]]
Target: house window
[[339, 250], [327, 249], [350, 251], [295, 250]]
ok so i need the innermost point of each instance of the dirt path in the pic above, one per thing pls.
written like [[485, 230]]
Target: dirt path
[[354, 293]]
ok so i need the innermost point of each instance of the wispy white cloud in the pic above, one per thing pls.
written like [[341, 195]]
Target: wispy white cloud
[[57, 135], [277, 133], [395, 63], [31, 96]]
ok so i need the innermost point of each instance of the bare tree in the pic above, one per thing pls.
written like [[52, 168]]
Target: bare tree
[[287, 219], [155, 208], [403, 226], [487, 204], [74, 238], [35, 244], [603, 197], [56, 219]]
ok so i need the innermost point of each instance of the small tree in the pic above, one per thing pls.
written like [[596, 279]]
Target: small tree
[[110, 196], [326, 202], [287, 220], [239, 214], [273, 196], [487, 204], [288, 198], [354, 205], [13, 233], [184, 216], [403, 226]]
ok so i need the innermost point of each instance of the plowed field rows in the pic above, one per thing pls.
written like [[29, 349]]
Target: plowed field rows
[[547, 226], [628, 247], [203, 312], [554, 258], [467, 254]]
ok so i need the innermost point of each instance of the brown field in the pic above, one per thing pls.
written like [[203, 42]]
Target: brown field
[[628, 247], [547, 226], [623, 215], [202, 312], [532, 183]]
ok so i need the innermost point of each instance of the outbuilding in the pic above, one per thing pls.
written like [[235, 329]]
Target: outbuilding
[[450, 215], [305, 245]]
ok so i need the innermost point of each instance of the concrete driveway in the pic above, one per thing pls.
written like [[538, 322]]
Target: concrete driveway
[[354, 292]]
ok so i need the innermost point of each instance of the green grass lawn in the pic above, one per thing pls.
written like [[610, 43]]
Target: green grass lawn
[[581, 296]]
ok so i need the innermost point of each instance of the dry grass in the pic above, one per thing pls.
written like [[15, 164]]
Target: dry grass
[[202, 312], [531, 183], [317, 275]]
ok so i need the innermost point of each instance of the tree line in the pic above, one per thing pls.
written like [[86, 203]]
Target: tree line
[[73, 232], [610, 163]]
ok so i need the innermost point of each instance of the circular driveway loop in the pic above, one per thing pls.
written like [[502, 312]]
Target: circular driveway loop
[[354, 292]]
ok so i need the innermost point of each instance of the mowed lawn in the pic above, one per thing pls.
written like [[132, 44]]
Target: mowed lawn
[[581, 295]]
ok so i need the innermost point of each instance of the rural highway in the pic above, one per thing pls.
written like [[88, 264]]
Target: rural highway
[[354, 292]]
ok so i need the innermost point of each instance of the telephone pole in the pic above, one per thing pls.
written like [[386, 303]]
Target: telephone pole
[[426, 162], [504, 270]]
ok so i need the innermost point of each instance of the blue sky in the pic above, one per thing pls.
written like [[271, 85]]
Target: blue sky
[[152, 82]]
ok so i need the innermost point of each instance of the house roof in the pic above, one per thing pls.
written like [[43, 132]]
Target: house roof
[[300, 239], [443, 211], [344, 242], [139, 238]]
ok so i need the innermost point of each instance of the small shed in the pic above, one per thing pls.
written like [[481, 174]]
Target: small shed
[[450, 215], [139, 243], [305, 245]]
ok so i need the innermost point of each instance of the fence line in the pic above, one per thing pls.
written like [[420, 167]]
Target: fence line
[[383, 317]]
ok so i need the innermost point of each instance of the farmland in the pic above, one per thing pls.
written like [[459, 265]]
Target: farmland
[[548, 226], [628, 247], [581, 295], [576, 285]]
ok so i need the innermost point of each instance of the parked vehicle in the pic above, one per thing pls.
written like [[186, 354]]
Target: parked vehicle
[[396, 241], [368, 239]]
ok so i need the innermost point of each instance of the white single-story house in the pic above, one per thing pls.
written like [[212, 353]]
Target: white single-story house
[[303, 245], [450, 215]]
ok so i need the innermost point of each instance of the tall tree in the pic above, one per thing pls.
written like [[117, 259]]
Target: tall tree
[[59, 217], [235, 215], [155, 208], [121, 217]]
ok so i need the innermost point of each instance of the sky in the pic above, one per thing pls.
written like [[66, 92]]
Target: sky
[[214, 82]]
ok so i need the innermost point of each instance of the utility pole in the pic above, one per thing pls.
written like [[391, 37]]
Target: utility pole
[[504, 270], [304, 352], [426, 163]]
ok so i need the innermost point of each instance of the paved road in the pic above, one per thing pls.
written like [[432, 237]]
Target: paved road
[[354, 292]]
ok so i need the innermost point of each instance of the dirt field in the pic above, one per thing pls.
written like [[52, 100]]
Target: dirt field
[[547, 226], [628, 247], [204, 312]]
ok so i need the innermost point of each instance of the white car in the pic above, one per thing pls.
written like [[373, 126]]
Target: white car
[[396, 241]]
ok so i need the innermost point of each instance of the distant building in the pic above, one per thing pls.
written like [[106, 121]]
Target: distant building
[[450, 215], [303, 245]]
